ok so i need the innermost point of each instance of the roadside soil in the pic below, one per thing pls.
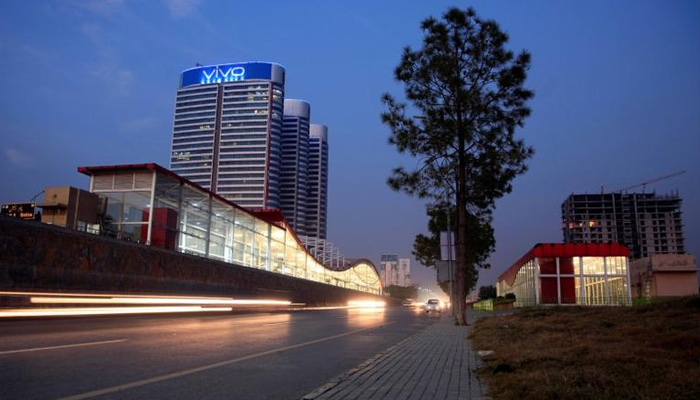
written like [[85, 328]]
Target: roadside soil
[[644, 352]]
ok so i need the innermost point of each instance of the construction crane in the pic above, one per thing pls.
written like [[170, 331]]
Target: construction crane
[[654, 180]]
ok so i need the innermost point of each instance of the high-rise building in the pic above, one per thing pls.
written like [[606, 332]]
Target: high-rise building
[[395, 271], [228, 128], [388, 267], [294, 188], [644, 222], [317, 201], [404, 272]]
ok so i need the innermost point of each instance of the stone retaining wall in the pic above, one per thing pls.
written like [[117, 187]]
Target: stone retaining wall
[[34, 256]]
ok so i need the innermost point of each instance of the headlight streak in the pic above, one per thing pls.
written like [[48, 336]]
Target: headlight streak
[[63, 294], [153, 300], [135, 304], [366, 304], [109, 304], [63, 312]]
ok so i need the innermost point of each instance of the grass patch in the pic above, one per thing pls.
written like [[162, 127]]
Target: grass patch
[[646, 352]]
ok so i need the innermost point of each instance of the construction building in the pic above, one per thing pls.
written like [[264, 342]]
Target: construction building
[[644, 222]]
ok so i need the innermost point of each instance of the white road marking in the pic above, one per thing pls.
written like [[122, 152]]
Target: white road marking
[[65, 346], [173, 375]]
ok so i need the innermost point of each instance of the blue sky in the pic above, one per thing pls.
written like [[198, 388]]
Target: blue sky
[[617, 98]]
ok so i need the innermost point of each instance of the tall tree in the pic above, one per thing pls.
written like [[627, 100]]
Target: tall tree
[[468, 93]]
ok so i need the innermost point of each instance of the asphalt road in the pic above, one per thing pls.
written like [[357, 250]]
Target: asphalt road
[[251, 356]]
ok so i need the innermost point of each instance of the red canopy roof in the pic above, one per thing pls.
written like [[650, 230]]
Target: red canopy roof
[[545, 250]]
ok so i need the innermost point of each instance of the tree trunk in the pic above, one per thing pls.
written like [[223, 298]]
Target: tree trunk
[[460, 305]]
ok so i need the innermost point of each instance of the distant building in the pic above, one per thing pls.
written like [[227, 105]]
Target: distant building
[[294, 182], [70, 207], [395, 271], [404, 272], [645, 222], [664, 275], [568, 273], [317, 202]]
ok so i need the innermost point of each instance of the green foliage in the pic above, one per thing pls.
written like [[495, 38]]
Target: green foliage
[[467, 97], [487, 292], [402, 292], [466, 87]]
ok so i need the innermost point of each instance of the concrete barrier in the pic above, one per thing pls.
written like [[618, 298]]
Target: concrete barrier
[[34, 256]]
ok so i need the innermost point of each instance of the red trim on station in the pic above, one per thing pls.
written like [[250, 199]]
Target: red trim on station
[[546, 250]]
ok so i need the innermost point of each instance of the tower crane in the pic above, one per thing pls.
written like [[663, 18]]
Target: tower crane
[[654, 180]]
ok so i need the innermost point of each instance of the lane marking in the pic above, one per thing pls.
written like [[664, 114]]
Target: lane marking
[[65, 346], [186, 372]]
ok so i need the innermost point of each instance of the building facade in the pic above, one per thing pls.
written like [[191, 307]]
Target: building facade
[[151, 205], [404, 272], [227, 131], [568, 273], [294, 188], [69, 207], [664, 275], [317, 202], [395, 271], [645, 222]]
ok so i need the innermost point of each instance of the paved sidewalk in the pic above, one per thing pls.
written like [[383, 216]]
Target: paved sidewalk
[[436, 363]]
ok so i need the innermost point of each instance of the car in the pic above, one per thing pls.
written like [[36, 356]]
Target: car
[[432, 305], [408, 303]]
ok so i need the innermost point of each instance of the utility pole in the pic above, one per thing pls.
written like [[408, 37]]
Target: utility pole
[[450, 267]]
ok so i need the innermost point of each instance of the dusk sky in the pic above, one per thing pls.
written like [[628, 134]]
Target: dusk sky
[[617, 99]]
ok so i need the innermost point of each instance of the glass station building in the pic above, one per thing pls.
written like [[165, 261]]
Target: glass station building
[[149, 204], [568, 273]]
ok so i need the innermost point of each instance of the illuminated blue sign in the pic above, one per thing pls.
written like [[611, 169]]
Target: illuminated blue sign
[[225, 74], [232, 73]]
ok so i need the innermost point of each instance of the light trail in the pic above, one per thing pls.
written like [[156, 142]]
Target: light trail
[[366, 304], [64, 294], [147, 304], [154, 300], [63, 312]]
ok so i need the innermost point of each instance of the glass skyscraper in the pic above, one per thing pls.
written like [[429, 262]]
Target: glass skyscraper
[[235, 135], [294, 188], [318, 181], [227, 131]]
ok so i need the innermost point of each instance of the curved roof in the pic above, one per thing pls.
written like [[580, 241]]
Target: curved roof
[[544, 250], [271, 216]]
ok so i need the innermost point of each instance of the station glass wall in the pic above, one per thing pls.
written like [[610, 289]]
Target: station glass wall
[[571, 280], [190, 220], [523, 286]]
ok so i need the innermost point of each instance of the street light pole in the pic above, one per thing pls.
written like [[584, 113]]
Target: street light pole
[[449, 254]]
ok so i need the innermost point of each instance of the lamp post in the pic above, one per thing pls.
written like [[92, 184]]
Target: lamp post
[[450, 261], [450, 268]]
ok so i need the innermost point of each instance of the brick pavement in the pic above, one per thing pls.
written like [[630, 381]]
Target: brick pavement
[[435, 363]]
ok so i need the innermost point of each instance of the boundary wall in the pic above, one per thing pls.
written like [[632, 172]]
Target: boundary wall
[[38, 257]]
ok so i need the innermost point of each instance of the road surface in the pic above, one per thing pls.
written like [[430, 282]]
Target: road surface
[[225, 356]]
